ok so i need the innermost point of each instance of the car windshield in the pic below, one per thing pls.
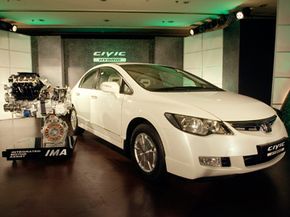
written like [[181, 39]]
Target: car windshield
[[166, 79]]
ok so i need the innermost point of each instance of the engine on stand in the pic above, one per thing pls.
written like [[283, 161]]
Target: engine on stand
[[29, 95]]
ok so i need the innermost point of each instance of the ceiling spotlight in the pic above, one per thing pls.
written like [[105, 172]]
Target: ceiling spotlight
[[191, 32], [199, 29], [7, 26], [211, 24], [240, 15], [222, 20], [14, 28]]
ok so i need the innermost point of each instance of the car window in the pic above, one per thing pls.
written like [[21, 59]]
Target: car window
[[126, 89], [89, 80], [108, 74], [162, 78], [174, 78], [112, 75]]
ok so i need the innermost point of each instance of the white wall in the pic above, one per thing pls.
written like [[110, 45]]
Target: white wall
[[203, 56], [281, 75], [15, 56]]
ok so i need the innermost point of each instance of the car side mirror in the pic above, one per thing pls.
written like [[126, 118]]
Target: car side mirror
[[110, 87]]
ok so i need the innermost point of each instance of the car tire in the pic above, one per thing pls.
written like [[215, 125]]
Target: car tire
[[72, 122], [147, 152]]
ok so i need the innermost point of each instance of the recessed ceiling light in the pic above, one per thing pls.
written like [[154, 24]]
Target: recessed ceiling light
[[182, 2], [167, 21], [37, 20]]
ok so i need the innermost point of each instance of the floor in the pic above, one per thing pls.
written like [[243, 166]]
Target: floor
[[99, 181]]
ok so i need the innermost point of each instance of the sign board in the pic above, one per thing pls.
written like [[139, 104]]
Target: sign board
[[109, 56]]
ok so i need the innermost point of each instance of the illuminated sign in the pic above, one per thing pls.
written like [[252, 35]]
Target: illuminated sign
[[109, 56]]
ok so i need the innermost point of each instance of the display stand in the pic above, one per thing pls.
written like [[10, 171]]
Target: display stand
[[28, 95], [40, 152]]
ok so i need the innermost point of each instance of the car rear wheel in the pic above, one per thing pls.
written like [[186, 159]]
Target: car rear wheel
[[147, 152]]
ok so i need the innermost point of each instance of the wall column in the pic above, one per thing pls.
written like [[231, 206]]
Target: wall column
[[50, 59], [168, 51]]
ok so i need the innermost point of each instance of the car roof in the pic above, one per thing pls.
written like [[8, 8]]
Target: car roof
[[134, 63]]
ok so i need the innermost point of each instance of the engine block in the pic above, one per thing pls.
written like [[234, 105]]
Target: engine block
[[29, 95]]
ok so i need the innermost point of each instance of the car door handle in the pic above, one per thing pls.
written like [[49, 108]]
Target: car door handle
[[78, 94], [94, 97]]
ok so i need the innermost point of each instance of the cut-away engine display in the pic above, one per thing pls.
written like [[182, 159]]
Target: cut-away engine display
[[29, 95]]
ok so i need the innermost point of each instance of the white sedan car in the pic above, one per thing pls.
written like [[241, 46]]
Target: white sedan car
[[171, 121]]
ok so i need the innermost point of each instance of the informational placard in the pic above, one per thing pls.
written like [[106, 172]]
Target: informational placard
[[39, 152]]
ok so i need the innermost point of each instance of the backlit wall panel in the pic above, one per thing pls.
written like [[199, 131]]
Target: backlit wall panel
[[15, 56], [281, 75], [203, 56], [82, 54]]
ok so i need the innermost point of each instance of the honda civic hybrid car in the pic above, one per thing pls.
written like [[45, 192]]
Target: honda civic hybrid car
[[169, 120]]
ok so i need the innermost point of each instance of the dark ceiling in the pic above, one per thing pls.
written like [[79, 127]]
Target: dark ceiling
[[162, 17]]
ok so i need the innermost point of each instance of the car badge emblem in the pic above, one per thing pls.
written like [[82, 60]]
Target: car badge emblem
[[266, 128]]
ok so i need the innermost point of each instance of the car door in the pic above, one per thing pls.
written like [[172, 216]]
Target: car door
[[106, 107], [83, 94]]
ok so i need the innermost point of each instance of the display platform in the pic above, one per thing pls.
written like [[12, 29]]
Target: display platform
[[32, 149]]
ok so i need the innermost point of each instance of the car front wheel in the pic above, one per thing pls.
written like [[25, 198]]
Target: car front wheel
[[147, 152], [72, 121]]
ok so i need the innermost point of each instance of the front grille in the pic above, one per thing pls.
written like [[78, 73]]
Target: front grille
[[255, 125]]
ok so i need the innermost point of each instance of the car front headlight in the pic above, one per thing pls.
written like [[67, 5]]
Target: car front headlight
[[198, 126]]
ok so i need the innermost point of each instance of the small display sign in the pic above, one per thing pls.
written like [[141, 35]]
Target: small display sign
[[38, 152], [109, 56]]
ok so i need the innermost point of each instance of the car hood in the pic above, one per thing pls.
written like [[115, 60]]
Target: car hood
[[223, 105]]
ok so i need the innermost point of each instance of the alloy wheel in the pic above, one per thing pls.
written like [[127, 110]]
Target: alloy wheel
[[145, 152], [73, 119]]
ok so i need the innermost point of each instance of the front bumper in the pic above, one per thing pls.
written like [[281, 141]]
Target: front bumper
[[243, 149]]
